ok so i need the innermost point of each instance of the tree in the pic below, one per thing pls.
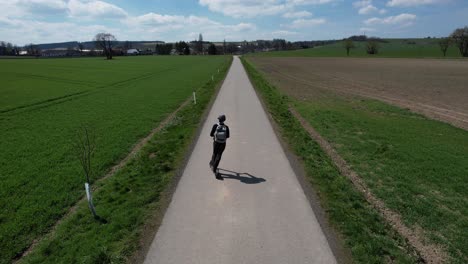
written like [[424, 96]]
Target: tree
[[224, 46], [212, 49], [179, 47], [372, 47], [9, 48], [15, 51], [2, 48], [164, 49], [348, 45], [33, 50], [106, 42], [444, 44], [460, 37], [279, 44], [127, 45], [200, 44], [81, 48], [84, 146], [232, 48], [182, 48]]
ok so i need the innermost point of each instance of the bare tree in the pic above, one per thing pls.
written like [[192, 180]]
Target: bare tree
[[200, 44], [127, 45], [460, 37], [224, 46], [372, 47], [81, 48], [33, 50], [84, 146], [348, 45], [444, 44], [106, 42]]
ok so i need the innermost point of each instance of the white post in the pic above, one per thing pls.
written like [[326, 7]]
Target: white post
[[212, 78], [218, 70], [90, 199], [194, 98]]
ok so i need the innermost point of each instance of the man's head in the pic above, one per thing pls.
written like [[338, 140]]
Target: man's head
[[222, 118]]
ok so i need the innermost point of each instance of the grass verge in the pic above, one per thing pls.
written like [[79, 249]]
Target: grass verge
[[417, 166], [365, 233], [126, 201]]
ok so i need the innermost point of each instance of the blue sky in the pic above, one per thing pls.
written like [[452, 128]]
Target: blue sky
[[44, 21]]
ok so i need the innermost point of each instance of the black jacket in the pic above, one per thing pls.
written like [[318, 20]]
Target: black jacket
[[213, 130]]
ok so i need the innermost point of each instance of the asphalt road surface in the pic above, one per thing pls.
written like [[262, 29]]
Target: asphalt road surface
[[258, 213]]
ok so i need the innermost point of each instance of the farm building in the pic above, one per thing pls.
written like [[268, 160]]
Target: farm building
[[133, 52]]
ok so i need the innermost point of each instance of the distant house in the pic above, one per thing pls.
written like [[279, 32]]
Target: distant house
[[57, 52], [133, 52]]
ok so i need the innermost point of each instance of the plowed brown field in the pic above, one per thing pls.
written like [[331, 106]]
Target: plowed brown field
[[435, 88]]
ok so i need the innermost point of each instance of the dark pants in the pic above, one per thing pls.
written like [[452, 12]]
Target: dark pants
[[218, 149]]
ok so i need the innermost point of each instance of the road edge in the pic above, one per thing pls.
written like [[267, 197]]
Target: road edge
[[151, 227], [341, 253]]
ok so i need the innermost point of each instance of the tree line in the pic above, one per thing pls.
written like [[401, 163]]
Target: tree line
[[459, 38], [6, 48]]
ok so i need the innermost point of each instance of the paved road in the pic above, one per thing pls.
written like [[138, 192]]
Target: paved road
[[258, 213]]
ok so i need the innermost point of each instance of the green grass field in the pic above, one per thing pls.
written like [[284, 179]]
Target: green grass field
[[43, 103], [417, 166], [395, 48]]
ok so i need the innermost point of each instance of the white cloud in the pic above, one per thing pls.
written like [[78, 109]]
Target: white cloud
[[42, 6], [154, 26], [366, 7], [308, 2], [252, 8], [298, 14], [406, 3], [367, 10], [245, 8], [283, 33], [305, 23], [402, 19], [363, 3], [94, 9], [90, 9], [367, 29], [30, 31]]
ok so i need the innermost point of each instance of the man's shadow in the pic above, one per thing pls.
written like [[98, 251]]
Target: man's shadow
[[243, 177]]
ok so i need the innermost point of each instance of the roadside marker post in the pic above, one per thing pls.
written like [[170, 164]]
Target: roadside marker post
[[89, 196], [212, 78], [194, 98]]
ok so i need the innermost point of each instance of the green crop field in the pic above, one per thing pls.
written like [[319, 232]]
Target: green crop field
[[43, 103], [394, 48]]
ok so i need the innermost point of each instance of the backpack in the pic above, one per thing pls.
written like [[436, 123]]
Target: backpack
[[220, 134]]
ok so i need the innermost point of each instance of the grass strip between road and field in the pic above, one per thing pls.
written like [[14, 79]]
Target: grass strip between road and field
[[429, 253], [130, 199], [365, 233], [416, 166]]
